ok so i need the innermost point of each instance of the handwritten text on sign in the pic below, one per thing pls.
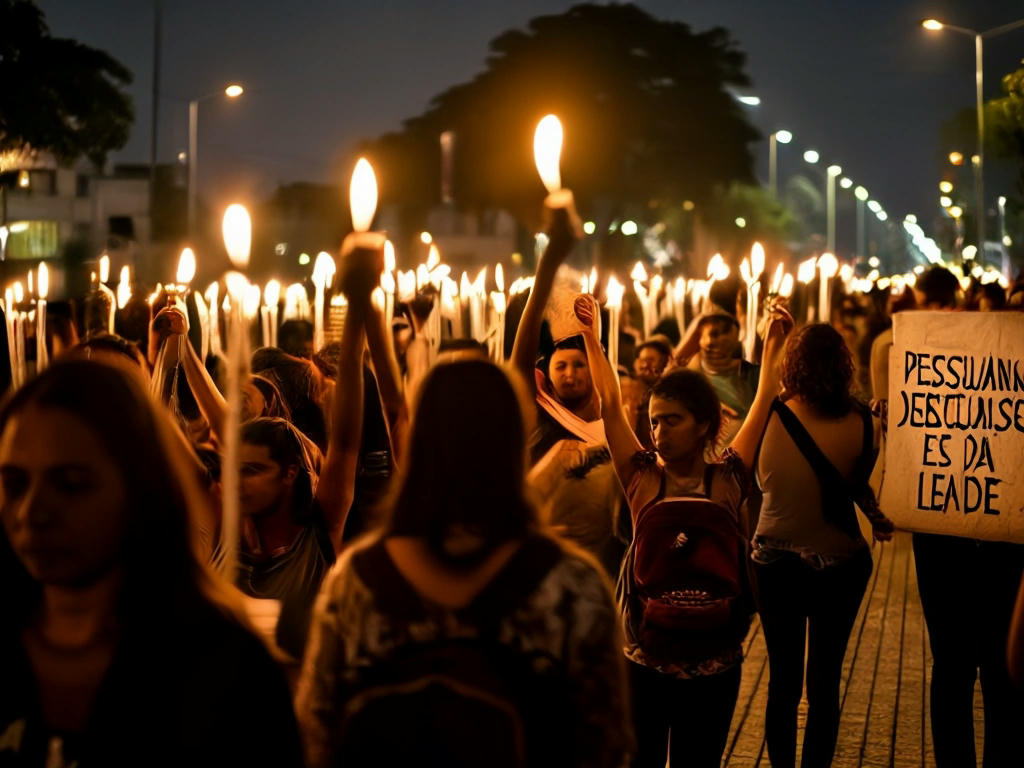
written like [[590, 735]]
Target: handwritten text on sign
[[955, 447]]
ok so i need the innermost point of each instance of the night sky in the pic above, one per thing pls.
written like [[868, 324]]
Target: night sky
[[859, 81]]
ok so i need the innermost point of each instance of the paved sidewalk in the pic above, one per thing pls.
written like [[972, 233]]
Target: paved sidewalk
[[884, 693]]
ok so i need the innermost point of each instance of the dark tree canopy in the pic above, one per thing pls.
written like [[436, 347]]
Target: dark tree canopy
[[58, 95], [647, 117]]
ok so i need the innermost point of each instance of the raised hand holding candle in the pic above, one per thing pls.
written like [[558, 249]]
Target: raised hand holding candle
[[547, 154], [362, 244], [237, 229]]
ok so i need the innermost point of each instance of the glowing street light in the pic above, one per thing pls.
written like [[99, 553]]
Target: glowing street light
[[979, 176], [232, 91], [777, 137], [812, 156], [945, 187]]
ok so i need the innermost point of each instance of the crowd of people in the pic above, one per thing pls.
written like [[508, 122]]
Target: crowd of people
[[444, 560]]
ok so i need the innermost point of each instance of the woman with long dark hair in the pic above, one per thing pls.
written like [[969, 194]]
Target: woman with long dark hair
[[462, 576], [117, 644], [812, 563]]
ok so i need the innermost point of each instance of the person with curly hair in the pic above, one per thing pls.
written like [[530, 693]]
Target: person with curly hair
[[811, 562]]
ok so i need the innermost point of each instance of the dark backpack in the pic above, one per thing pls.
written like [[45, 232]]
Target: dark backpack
[[683, 587], [459, 701]]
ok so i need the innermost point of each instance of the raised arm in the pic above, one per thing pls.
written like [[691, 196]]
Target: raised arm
[[777, 325], [389, 379], [361, 268], [562, 234], [622, 441]]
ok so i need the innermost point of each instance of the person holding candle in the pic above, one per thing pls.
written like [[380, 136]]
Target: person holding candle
[[682, 686], [462, 568], [118, 645]]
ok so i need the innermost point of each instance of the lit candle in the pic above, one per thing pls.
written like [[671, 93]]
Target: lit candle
[[12, 355], [237, 229], [805, 273], [613, 293], [109, 300], [43, 283], [387, 283], [19, 332], [124, 287], [827, 266], [213, 318], [751, 273], [323, 273], [271, 296]]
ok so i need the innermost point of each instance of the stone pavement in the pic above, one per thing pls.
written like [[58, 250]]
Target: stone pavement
[[883, 694]]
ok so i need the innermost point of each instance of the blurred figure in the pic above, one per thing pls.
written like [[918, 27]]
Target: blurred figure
[[118, 646]]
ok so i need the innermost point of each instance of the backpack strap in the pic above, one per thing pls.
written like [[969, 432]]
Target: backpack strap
[[841, 516]]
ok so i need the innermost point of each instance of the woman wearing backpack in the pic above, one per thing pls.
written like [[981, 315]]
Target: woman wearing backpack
[[811, 562], [683, 638], [462, 633]]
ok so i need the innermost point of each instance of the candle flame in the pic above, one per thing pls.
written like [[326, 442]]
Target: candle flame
[[387, 282], [499, 277], [639, 272], [613, 291], [29, 277], [480, 284], [748, 278], [211, 293], [433, 258], [362, 195], [756, 260], [251, 303], [406, 285], [717, 268], [323, 270], [124, 287], [593, 280], [237, 228], [777, 279], [154, 295], [19, 292], [827, 265], [389, 256], [465, 287], [186, 267], [272, 293], [422, 276], [44, 280], [498, 300], [786, 289], [377, 298], [547, 151], [846, 273], [104, 268], [805, 271]]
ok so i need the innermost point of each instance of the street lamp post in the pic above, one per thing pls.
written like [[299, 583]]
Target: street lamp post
[[233, 91], [830, 196], [862, 197], [979, 174], [776, 138]]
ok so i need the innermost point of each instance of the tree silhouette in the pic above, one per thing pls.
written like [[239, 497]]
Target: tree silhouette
[[57, 95], [648, 118]]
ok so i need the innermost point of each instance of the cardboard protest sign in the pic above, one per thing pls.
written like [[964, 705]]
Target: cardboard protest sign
[[954, 459]]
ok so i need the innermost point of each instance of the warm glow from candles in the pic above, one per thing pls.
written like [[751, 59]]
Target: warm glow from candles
[[406, 285], [422, 276], [827, 265], [756, 260], [186, 267], [433, 258], [19, 292], [480, 284], [805, 271], [43, 283], [323, 270], [387, 282], [104, 268], [780, 271], [745, 271], [272, 293], [786, 289], [547, 151], [593, 280], [613, 291], [237, 228], [154, 295], [389, 256], [717, 268], [499, 277], [211, 294], [124, 287], [251, 302], [639, 273], [362, 195]]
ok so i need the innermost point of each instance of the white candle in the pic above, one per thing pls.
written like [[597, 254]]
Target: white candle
[[9, 315], [105, 291], [237, 238], [827, 267], [613, 292], [271, 297], [43, 283], [323, 273], [213, 317]]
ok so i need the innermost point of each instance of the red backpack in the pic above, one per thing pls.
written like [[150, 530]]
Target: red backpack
[[683, 585]]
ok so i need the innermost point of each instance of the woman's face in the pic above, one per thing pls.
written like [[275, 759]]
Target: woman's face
[[62, 498], [677, 434], [570, 376]]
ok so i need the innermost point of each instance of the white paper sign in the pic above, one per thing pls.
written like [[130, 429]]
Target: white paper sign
[[955, 447]]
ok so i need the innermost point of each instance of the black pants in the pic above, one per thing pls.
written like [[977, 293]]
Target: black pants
[[697, 712], [798, 601], [968, 589]]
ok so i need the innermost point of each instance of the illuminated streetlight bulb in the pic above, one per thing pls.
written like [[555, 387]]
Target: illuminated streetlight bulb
[[945, 201], [933, 24], [956, 211], [945, 187], [846, 182], [547, 151], [811, 156], [874, 206], [233, 91], [834, 170], [956, 158], [362, 195], [629, 227], [237, 229], [860, 193], [783, 136]]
